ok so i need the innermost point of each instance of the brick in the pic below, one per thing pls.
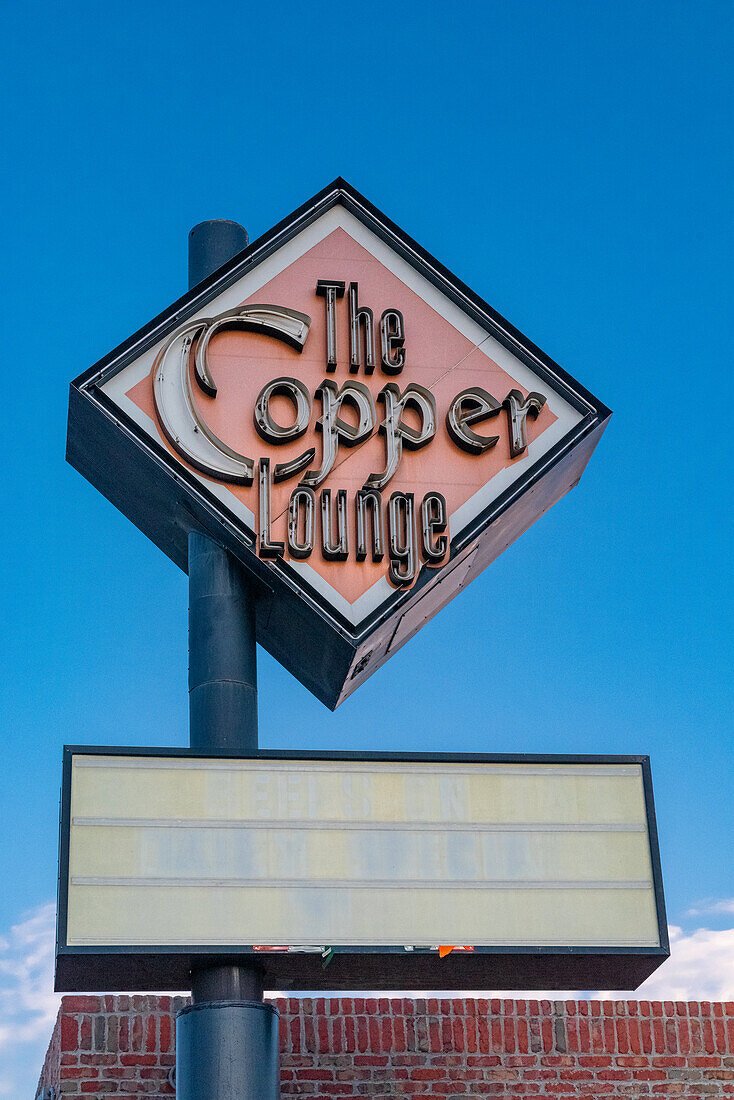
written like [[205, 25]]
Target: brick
[[337, 1035], [69, 1033], [78, 1004], [373, 1026], [633, 1034], [85, 1032]]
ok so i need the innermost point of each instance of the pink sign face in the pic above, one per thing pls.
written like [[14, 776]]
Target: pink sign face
[[361, 431], [437, 357]]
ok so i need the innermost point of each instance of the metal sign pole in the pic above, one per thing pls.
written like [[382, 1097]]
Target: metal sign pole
[[227, 1040]]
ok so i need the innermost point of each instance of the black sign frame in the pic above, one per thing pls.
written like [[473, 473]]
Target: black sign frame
[[155, 967], [296, 624]]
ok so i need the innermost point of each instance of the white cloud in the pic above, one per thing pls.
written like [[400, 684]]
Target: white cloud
[[712, 905], [28, 1005]]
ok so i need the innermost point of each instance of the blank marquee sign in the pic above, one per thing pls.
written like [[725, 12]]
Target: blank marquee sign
[[551, 865]]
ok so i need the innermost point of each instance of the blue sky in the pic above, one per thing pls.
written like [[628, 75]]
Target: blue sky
[[572, 162]]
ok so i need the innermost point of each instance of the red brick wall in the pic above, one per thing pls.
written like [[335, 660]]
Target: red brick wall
[[419, 1049]]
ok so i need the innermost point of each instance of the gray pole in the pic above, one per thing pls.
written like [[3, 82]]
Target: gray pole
[[222, 656], [227, 1040]]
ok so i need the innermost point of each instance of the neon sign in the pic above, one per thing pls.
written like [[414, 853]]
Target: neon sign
[[399, 527]]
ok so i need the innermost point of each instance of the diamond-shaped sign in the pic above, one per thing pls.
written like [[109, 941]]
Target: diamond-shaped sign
[[356, 426]]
